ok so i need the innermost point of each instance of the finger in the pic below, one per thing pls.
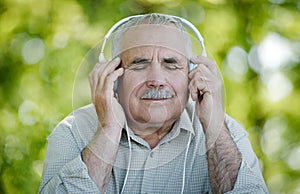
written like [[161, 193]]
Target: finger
[[109, 82], [202, 59], [193, 92], [95, 68], [110, 68], [196, 88], [200, 71], [201, 81], [196, 76], [99, 73], [205, 61], [98, 68], [93, 76]]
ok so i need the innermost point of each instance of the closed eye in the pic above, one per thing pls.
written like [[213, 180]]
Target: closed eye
[[171, 64], [140, 60], [170, 60], [139, 64]]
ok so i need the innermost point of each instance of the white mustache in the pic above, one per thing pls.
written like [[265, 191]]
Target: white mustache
[[157, 94]]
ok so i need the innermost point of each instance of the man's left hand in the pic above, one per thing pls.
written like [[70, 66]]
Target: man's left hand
[[206, 89]]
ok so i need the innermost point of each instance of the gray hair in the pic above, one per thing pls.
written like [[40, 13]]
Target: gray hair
[[152, 18]]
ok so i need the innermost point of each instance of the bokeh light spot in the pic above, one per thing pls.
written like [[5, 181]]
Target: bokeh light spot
[[236, 63], [275, 51], [271, 140], [60, 40], [28, 113], [293, 159], [13, 148], [276, 183], [278, 87], [33, 51]]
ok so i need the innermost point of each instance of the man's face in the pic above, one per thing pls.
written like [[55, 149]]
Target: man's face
[[154, 87]]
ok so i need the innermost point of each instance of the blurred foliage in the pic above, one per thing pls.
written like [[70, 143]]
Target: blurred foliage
[[42, 42]]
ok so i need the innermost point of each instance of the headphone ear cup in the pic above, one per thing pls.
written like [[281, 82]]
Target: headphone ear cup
[[191, 66], [115, 86]]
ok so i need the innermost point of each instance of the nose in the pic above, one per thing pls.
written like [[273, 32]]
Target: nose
[[155, 84], [156, 77]]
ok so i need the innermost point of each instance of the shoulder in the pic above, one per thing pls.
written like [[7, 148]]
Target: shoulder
[[235, 128], [85, 115], [81, 124]]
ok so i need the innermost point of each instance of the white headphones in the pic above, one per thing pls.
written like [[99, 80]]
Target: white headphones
[[185, 22]]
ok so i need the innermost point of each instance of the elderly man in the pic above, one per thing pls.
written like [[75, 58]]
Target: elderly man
[[163, 131]]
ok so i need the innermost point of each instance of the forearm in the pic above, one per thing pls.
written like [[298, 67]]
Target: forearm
[[224, 161], [99, 155]]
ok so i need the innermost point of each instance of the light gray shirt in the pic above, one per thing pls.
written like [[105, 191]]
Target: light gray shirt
[[177, 163]]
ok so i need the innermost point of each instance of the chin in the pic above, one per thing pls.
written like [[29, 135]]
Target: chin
[[155, 115]]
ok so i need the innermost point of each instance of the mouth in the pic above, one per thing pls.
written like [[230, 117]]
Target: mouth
[[156, 95], [155, 99]]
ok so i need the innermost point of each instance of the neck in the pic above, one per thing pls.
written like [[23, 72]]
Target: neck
[[151, 134]]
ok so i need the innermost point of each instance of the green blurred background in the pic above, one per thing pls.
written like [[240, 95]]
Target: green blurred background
[[43, 42]]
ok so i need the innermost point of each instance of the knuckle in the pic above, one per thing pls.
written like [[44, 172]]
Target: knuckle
[[91, 77], [99, 95], [111, 78]]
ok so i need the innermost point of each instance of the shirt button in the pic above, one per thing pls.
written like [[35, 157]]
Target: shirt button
[[151, 154]]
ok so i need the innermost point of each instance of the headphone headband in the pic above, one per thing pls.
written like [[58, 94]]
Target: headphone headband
[[185, 22]]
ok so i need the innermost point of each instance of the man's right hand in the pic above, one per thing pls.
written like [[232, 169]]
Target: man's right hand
[[102, 77]]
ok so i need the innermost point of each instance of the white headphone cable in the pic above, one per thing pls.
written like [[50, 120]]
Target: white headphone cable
[[184, 164], [187, 151]]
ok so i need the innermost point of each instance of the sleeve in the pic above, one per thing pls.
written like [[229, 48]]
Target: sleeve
[[64, 171], [249, 179]]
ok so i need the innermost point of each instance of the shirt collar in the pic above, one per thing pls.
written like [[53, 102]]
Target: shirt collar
[[183, 123]]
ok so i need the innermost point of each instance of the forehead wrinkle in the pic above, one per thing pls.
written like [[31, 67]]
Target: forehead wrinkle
[[152, 35], [150, 51]]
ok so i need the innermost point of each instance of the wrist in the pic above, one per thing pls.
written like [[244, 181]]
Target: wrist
[[111, 132], [213, 121], [214, 132]]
